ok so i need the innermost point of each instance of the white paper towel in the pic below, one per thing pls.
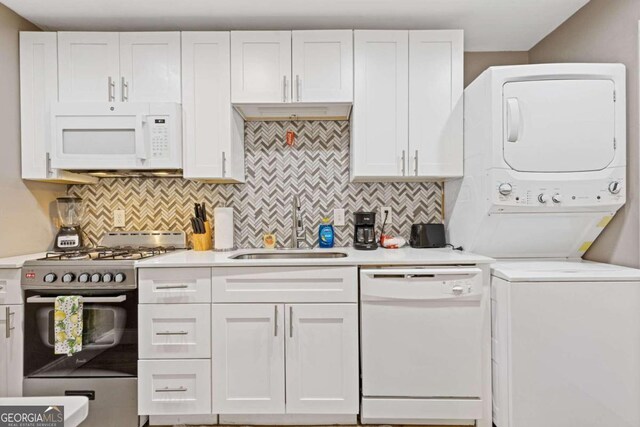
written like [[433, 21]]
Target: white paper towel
[[223, 228]]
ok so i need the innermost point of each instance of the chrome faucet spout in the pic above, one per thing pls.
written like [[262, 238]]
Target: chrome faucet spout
[[297, 226]]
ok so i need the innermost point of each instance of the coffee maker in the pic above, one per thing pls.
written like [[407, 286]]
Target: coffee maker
[[69, 237], [364, 235]]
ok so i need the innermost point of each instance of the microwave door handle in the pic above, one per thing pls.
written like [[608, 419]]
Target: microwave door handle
[[50, 300], [141, 147]]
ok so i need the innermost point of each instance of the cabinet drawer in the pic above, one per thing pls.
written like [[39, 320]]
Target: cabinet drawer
[[174, 331], [285, 284], [10, 292], [174, 387], [174, 285]]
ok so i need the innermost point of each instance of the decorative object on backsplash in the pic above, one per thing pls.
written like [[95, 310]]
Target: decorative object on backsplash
[[316, 167]]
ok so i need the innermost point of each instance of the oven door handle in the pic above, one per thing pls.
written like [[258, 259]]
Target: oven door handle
[[48, 300]]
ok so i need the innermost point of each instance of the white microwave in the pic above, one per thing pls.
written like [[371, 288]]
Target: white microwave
[[116, 136]]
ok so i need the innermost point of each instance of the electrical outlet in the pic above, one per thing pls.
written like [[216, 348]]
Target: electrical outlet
[[383, 211], [338, 217], [119, 218]]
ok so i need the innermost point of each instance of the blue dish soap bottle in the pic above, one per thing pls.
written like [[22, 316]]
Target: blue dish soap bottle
[[325, 234]]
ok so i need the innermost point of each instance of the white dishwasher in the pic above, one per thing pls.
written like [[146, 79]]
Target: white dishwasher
[[422, 344]]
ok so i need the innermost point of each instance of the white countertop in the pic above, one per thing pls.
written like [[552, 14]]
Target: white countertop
[[76, 408], [18, 260], [402, 256]]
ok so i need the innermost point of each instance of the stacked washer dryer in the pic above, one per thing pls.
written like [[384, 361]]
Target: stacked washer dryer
[[544, 173]]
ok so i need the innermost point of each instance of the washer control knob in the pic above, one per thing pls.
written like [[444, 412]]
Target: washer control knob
[[505, 188], [50, 278], [543, 198], [95, 277], [120, 277], [615, 187], [83, 277], [557, 198], [107, 277], [68, 277]]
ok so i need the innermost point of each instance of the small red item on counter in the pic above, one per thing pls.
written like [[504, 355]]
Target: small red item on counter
[[291, 136]]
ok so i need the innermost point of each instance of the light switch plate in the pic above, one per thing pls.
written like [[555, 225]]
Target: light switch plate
[[119, 220], [338, 217]]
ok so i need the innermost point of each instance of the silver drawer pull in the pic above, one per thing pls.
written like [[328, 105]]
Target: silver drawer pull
[[173, 333], [173, 287], [169, 390]]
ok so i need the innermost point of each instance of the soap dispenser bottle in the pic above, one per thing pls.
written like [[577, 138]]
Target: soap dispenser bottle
[[325, 234]]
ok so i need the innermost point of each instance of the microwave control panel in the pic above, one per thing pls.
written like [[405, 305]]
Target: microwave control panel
[[159, 128]]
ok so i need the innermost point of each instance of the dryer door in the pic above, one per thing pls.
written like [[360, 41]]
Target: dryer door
[[558, 125]]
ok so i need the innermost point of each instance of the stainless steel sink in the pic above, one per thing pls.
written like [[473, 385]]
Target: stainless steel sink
[[289, 255]]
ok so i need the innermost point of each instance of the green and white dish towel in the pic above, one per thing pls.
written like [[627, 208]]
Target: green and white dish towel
[[68, 324]]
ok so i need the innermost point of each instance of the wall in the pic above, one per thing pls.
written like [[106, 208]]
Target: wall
[[316, 169], [25, 222], [476, 62], [607, 31]]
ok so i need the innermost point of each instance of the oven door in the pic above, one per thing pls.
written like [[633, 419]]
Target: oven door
[[109, 336]]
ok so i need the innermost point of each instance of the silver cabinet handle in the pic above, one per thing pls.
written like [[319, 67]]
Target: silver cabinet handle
[[173, 333], [298, 87], [112, 89], [415, 163], [290, 322], [224, 164], [172, 287], [404, 163], [124, 90], [8, 327], [284, 88], [275, 321], [168, 390]]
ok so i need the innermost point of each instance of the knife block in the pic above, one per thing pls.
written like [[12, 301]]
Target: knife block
[[203, 242]]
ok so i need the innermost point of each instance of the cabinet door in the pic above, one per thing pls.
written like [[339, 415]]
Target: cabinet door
[[322, 66], [11, 341], [380, 105], [149, 67], [214, 135], [248, 358], [322, 358], [88, 66], [260, 66], [435, 103]]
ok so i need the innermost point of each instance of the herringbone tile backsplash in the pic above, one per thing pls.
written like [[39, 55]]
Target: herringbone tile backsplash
[[316, 169]]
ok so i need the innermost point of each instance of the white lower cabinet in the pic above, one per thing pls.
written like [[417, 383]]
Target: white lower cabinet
[[322, 358], [174, 387], [248, 358], [252, 344], [11, 339]]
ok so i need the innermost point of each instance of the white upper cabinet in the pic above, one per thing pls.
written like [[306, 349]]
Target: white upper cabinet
[[213, 145], [88, 64], [435, 103], [381, 102], [322, 66], [261, 66], [149, 67], [407, 113], [119, 67]]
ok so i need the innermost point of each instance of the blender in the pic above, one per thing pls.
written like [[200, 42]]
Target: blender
[[70, 210]]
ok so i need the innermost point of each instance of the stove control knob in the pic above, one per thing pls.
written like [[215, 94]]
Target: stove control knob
[[557, 198], [83, 278], [614, 187], [107, 277], [505, 188], [543, 198], [68, 277], [120, 277], [50, 278], [95, 277]]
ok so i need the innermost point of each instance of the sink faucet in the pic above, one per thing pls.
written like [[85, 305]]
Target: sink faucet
[[297, 228]]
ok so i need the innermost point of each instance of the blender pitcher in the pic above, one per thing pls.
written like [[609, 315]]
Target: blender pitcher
[[70, 211]]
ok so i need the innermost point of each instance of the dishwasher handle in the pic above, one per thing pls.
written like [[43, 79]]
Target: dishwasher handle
[[419, 273]]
